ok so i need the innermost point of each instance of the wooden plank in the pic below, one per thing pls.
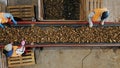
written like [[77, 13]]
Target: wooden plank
[[14, 62], [15, 65], [87, 7], [0, 7], [12, 59], [28, 60], [83, 10], [40, 9], [16, 6], [26, 5], [97, 3], [91, 5], [94, 4], [100, 3], [26, 57]]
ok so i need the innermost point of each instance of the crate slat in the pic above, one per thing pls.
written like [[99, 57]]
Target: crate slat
[[14, 65]]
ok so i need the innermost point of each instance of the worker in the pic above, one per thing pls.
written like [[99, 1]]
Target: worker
[[99, 14], [5, 18], [8, 50], [21, 49]]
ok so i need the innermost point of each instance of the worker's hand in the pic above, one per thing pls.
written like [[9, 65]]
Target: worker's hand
[[15, 23], [91, 24], [102, 22]]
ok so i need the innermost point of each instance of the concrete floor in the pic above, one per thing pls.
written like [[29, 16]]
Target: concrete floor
[[77, 57]]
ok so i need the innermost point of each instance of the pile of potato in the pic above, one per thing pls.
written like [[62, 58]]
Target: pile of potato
[[62, 34], [61, 9]]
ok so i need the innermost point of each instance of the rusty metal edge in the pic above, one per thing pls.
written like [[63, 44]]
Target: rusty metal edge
[[73, 45]]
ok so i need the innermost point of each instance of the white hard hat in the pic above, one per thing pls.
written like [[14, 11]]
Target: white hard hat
[[8, 47]]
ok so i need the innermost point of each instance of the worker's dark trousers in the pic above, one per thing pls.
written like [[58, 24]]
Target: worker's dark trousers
[[8, 53]]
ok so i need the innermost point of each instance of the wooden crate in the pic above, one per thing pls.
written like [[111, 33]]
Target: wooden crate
[[27, 59], [24, 12]]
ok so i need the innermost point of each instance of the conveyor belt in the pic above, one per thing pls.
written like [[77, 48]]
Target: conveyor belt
[[67, 23]]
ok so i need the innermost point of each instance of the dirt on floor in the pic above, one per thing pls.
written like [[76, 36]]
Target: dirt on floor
[[76, 57]]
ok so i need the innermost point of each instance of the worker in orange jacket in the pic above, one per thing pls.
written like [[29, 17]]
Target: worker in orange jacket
[[5, 18], [99, 14]]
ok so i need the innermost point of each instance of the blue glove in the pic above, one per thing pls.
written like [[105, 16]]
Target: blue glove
[[15, 22], [8, 15], [1, 26]]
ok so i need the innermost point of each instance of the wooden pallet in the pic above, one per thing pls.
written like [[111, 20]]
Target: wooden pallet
[[24, 12], [119, 19], [27, 59]]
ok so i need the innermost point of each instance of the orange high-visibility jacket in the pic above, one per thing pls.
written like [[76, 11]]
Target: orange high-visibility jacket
[[98, 13], [3, 19]]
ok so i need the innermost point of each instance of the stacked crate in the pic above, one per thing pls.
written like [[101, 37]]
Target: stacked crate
[[27, 59], [24, 12]]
